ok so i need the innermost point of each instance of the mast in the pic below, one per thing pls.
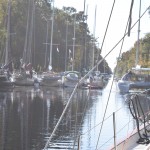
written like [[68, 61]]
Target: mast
[[26, 38], [66, 44], [51, 43], [94, 27], [31, 33], [85, 34], [138, 42], [8, 34], [74, 38]]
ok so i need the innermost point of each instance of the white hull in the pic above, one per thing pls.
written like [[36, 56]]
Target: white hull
[[24, 82], [96, 83], [5, 80], [52, 81], [70, 79], [124, 86], [69, 83]]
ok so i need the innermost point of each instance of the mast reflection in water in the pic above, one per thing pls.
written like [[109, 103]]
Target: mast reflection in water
[[28, 117]]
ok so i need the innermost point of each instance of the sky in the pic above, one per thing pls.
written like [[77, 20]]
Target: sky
[[117, 25]]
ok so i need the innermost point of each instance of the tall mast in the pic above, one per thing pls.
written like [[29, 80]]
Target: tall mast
[[138, 42], [8, 33], [66, 44], [51, 43], [94, 27], [85, 34], [27, 32], [74, 38]]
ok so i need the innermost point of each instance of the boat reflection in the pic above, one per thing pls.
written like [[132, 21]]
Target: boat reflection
[[28, 116]]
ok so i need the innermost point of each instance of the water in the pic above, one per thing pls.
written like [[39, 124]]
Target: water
[[28, 117]]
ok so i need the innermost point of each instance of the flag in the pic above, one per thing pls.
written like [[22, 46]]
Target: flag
[[69, 53], [57, 50]]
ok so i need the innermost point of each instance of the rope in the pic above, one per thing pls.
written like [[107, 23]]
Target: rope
[[130, 18], [100, 123], [112, 80]]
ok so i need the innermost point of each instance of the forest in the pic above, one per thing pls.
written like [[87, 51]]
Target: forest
[[27, 33]]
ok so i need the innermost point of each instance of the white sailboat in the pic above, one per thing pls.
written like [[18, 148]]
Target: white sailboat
[[51, 78], [26, 76], [70, 78], [95, 80]]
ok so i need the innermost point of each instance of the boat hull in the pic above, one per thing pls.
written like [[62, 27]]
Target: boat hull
[[24, 82], [5, 81], [124, 86], [130, 142]]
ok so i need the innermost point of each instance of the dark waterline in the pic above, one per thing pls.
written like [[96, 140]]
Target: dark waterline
[[28, 117]]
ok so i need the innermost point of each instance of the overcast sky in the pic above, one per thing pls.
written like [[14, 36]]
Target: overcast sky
[[117, 24]]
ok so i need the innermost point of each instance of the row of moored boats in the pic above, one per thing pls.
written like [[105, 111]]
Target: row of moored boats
[[52, 79]]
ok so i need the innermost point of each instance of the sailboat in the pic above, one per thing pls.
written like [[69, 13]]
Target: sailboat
[[26, 76], [70, 78], [137, 77], [51, 78], [5, 70], [95, 80]]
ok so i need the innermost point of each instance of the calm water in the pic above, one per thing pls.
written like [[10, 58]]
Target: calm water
[[28, 117]]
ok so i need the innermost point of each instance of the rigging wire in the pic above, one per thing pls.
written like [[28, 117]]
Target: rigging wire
[[99, 123], [99, 56], [130, 18], [117, 133], [106, 28]]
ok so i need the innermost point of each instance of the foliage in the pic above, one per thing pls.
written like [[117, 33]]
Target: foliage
[[127, 59], [31, 28]]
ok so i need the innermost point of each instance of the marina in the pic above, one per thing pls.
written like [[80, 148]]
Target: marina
[[63, 86]]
